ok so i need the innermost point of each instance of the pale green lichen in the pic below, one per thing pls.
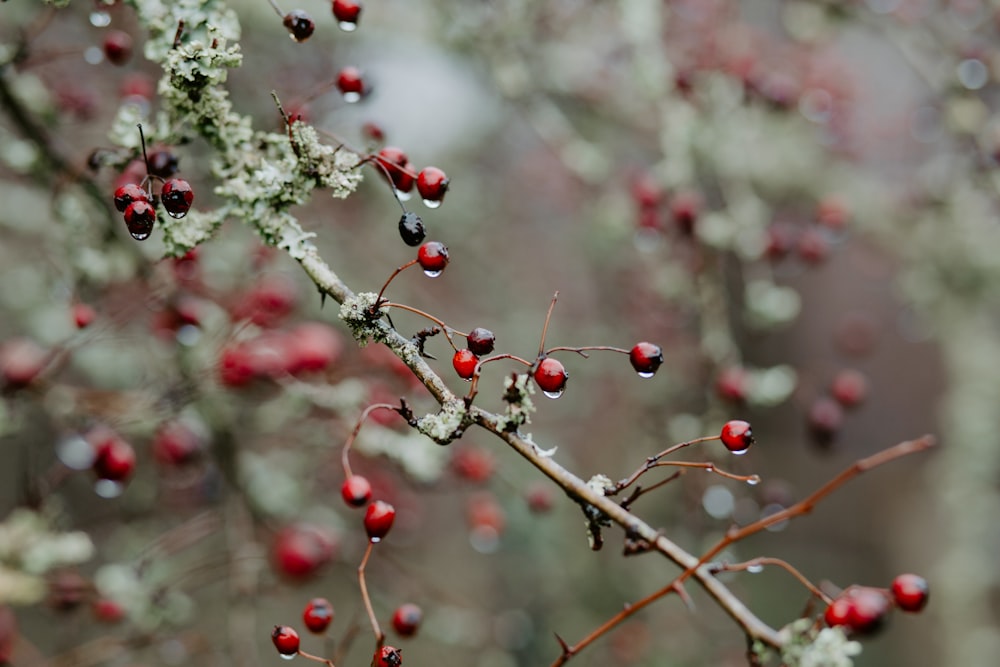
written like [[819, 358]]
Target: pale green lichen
[[359, 313], [447, 424], [29, 548], [421, 460], [804, 646], [148, 602], [517, 394]]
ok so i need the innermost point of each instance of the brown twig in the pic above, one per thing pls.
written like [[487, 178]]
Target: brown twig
[[379, 635]]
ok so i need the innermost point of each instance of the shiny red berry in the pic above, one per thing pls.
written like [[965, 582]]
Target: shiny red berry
[[432, 184], [163, 163], [300, 550], [285, 639], [356, 491], [481, 341], [685, 208], [732, 384], [910, 592], [849, 388], [646, 358], [127, 194], [378, 520], [465, 362], [860, 609], [351, 83], [108, 611], [21, 361], [387, 656], [411, 229], [396, 165], [347, 12], [176, 444], [824, 420], [318, 615], [117, 47], [813, 246], [406, 619], [737, 436], [433, 257], [114, 457], [177, 195], [551, 377], [299, 25], [83, 315], [140, 218]]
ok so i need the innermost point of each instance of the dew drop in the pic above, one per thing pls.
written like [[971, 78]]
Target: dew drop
[[431, 203], [177, 214], [404, 196], [93, 55], [75, 452], [755, 569], [107, 488], [285, 656], [647, 374], [553, 394], [348, 26], [432, 274], [754, 480], [376, 540], [100, 19], [352, 97], [141, 236], [739, 452]]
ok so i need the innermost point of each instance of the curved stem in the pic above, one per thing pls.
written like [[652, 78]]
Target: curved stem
[[447, 330], [316, 658], [344, 455], [545, 327], [379, 635], [582, 351], [277, 9], [394, 274], [651, 461], [767, 560], [474, 389], [710, 467]]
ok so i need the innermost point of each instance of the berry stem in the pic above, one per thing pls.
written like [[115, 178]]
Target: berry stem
[[474, 389], [582, 351], [316, 658], [344, 455], [545, 327], [767, 560], [277, 9], [448, 331], [652, 460], [379, 635], [710, 467], [641, 491], [394, 274]]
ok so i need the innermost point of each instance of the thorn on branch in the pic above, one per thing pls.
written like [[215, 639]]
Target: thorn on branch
[[420, 339], [566, 650], [406, 413]]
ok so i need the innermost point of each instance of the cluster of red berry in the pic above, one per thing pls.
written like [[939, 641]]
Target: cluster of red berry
[[138, 202], [863, 609]]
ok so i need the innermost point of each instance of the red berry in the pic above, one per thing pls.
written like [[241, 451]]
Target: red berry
[[83, 315], [731, 384], [551, 377], [685, 208], [285, 639], [832, 212], [373, 132], [163, 163], [387, 656], [481, 341], [849, 387], [780, 239], [127, 194], [813, 246], [300, 550], [539, 497], [108, 611], [378, 520], [312, 347], [356, 491], [139, 218], [318, 615], [176, 444], [21, 361], [824, 420], [114, 458], [737, 436], [860, 609], [270, 301], [411, 229], [473, 464], [646, 190], [117, 47], [176, 195], [646, 358], [397, 165], [406, 619], [347, 12], [351, 84], [910, 592], [432, 184], [433, 257], [299, 25], [465, 363]]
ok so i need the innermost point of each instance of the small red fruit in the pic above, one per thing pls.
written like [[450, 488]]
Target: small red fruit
[[406, 619], [299, 25], [117, 47], [127, 194], [481, 341], [849, 387], [387, 656], [318, 615], [432, 184], [378, 520], [473, 464], [177, 195], [115, 458], [465, 362], [83, 315], [731, 384], [433, 257], [825, 420], [551, 377], [646, 358], [813, 247], [176, 444], [910, 592], [737, 436], [140, 218], [347, 12], [285, 639], [351, 83], [108, 611], [302, 549], [163, 163], [356, 491], [396, 165], [312, 347], [21, 361], [685, 208], [860, 609]]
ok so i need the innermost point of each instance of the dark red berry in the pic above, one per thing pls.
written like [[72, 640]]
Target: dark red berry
[[646, 358], [833, 213], [860, 609], [107, 611], [140, 218], [433, 257], [378, 520], [175, 444], [21, 361], [285, 639], [356, 491], [432, 184], [83, 315], [318, 615], [411, 229], [311, 347], [849, 387], [737, 436], [347, 12], [387, 656], [373, 132], [406, 619], [731, 384], [685, 208], [813, 246], [177, 195], [551, 377], [473, 464], [824, 420], [481, 341], [465, 362], [117, 47], [397, 166], [539, 497], [127, 194], [68, 590], [780, 239], [299, 25], [351, 83], [114, 457], [301, 549], [910, 592], [163, 163]]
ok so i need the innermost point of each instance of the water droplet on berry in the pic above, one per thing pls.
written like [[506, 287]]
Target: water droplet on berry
[[432, 274], [647, 375], [755, 569], [141, 235], [177, 214], [107, 488], [430, 203], [739, 452], [100, 19], [404, 196], [754, 480], [553, 394], [375, 540], [291, 656], [351, 97], [347, 26]]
